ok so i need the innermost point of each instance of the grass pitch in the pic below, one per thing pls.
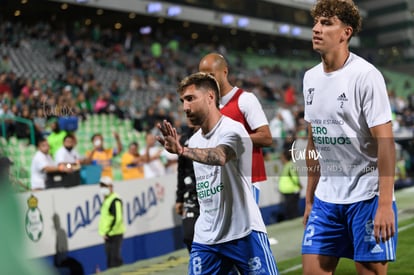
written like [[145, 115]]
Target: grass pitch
[[287, 249]]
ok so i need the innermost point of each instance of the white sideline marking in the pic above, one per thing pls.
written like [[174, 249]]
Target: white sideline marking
[[405, 227], [296, 267], [293, 268]]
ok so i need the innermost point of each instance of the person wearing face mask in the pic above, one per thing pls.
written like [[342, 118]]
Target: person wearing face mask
[[103, 156], [42, 165], [111, 222], [67, 154]]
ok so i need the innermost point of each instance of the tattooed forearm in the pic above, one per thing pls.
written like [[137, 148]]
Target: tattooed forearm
[[212, 156]]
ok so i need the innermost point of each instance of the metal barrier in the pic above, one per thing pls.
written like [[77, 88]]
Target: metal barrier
[[21, 120]]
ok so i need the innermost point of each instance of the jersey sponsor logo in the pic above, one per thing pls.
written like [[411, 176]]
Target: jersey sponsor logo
[[309, 96], [342, 98], [205, 189], [320, 136], [377, 249]]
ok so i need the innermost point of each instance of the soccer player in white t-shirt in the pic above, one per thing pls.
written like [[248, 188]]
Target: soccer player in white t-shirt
[[230, 230], [350, 206]]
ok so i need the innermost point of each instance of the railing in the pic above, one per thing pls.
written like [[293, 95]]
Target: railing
[[21, 120]]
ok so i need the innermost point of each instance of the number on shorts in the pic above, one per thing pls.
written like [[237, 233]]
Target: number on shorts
[[310, 231], [197, 267]]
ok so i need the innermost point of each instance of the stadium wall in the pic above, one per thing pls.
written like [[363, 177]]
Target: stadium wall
[[66, 219]]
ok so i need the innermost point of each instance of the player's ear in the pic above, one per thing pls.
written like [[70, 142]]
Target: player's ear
[[347, 33]]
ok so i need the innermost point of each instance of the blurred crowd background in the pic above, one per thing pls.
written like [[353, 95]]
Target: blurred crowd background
[[59, 77]]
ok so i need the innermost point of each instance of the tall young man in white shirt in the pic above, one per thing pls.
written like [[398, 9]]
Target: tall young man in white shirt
[[350, 207]]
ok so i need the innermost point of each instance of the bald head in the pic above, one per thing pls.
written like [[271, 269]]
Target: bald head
[[211, 62], [216, 65]]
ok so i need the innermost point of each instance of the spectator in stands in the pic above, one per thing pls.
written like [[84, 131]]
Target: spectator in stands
[[114, 89], [55, 138], [154, 167], [84, 105], [67, 154], [289, 122], [40, 121], [5, 164], [4, 86], [100, 155], [7, 115], [289, 94], [147, 122], [277, 130], [42, 163], [171, 162], [101, 103], [135, 84], [22, 128], [243, 107], [27, 89], [132, 163], [5, 64]]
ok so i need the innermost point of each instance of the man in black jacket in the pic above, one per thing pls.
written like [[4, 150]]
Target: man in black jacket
[[186, 204]]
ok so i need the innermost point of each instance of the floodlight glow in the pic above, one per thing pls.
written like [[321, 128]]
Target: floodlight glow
[[243, 22], [296, 31], [174, 11], [227, 19], [284, 29], [155, 7]]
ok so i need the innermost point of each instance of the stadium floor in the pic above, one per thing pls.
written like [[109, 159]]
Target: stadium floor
[[285, 245]]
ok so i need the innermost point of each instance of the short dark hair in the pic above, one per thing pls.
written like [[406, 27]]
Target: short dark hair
[[96, 135], [345, 10], [41, 140], [201, 81], [72, 136]]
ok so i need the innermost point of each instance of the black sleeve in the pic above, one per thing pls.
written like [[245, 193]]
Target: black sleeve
[[180, 180], [185, 169], [112, 211]]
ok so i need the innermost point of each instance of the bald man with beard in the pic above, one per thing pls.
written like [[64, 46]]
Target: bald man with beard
[[245, 108]]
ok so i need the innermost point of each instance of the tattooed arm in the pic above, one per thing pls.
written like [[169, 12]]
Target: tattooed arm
[[212, 156]]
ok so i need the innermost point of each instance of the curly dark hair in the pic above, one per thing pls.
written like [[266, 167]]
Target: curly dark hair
[[345, 10]]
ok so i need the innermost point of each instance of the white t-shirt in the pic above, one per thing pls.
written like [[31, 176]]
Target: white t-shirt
[[62, 155], [342, 106], [228, 210], [156, 167], [38, 176], [250, 107]]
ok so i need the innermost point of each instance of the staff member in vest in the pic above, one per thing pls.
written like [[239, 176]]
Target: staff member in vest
[[111, 223], [245, 108], [289, 186]]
